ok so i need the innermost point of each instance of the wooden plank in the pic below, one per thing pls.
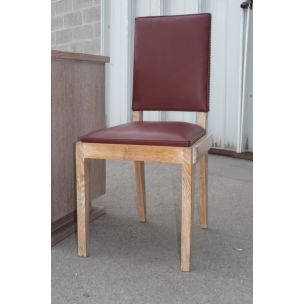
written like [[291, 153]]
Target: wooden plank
[[187, 211], [161, 154], [138, 115], [68, 225], [202, 119], [63, 221], [79, 57], [78, 107], [233, 154]]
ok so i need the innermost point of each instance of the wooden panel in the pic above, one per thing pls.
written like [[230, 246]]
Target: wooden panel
[[77, 108], [66, 225], [160, 154], [78, 56], [228, 153]]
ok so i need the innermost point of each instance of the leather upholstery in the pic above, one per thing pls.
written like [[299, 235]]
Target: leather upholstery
[[169, 133], [171, 63]]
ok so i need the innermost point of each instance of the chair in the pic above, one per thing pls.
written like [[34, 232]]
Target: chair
[[171, 73]]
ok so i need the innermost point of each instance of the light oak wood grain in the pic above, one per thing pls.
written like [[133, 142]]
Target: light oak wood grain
[[83, 201], [187, 157], [138, 115], [187, 211], [202, 120], [160, 154], [201, 147]]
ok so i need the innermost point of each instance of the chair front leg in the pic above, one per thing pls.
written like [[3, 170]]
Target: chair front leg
[[203, 180], [187, 211], [141, 190], [83, 200]]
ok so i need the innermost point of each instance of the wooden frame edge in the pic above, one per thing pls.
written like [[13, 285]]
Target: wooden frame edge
[[67, 225], [201, 147], [233, 154], [146, 153]]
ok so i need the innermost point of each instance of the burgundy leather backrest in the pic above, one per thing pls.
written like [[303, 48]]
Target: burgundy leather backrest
[[171, 63]]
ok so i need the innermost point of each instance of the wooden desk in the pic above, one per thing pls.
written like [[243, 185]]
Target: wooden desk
[[78, 107]]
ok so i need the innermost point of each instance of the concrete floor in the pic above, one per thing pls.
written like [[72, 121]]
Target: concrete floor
[[134, 263]]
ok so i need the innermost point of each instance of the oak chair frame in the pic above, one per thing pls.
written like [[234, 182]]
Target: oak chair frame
[[187, 157]]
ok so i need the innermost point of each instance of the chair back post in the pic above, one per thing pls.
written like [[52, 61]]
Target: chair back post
[[202, 119], [138, 115]]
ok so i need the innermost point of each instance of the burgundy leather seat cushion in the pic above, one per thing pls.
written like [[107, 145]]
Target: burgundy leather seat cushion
[[171, 63], [167, 133]]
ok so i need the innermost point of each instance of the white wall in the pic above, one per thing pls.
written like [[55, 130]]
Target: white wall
[[230, 112]]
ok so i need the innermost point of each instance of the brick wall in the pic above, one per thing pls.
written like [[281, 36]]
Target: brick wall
[[76, 26]]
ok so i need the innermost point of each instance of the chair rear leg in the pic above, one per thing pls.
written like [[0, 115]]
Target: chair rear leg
[[203, 180], [141, 190], [83, 201], [187, 214]]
